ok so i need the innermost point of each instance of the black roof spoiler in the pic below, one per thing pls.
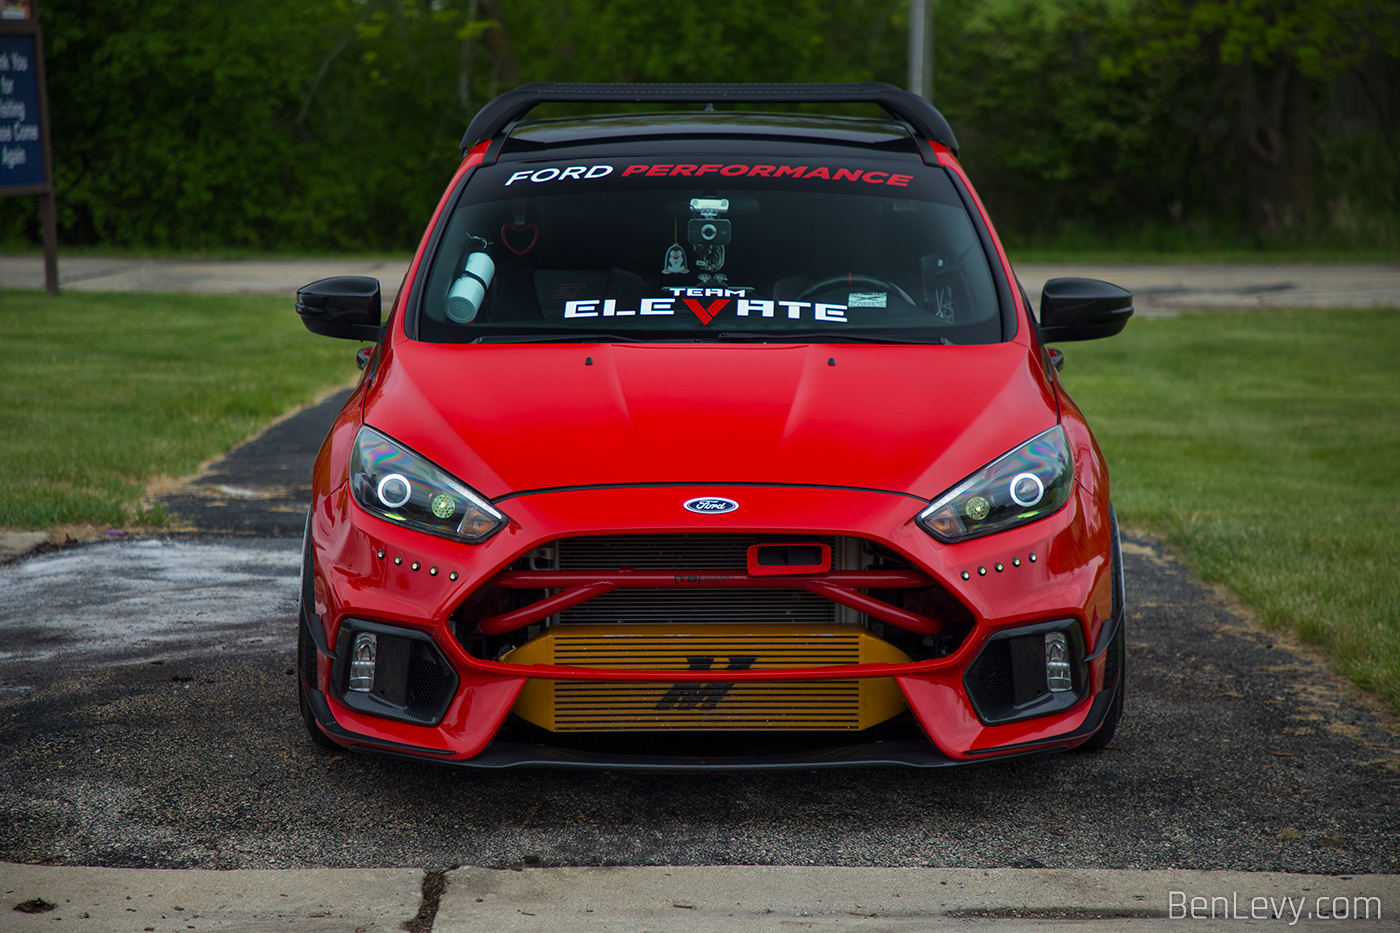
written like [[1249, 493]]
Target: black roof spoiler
[[921, 115]]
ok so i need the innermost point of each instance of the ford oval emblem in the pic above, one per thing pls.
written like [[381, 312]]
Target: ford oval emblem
[[711, 505]]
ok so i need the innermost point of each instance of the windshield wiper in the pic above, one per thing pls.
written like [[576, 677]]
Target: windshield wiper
[[554, 338], [825, 337]]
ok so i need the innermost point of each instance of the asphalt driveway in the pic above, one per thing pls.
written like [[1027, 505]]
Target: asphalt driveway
[[148, 719]]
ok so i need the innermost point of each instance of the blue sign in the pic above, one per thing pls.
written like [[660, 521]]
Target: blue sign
[[21, 155]]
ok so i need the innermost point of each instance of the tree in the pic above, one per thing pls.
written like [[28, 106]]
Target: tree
[[1280, 54]]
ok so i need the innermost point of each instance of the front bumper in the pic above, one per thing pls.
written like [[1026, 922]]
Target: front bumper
[[367, 569]]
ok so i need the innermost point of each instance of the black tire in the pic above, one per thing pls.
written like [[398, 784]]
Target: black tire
[[1105, 734], [306, 651], [308, 718], [1118, 649]]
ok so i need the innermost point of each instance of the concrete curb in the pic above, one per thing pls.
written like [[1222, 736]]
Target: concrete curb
[[691, 899], [121, 899]]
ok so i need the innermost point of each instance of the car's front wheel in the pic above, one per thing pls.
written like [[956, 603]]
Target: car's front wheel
[[1118, 649], [306, 650]]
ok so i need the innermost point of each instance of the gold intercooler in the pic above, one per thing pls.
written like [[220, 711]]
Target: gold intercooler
[[710, 705]]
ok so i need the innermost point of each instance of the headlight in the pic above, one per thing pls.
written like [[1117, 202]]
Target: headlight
[[392, 482], [1027, 484]]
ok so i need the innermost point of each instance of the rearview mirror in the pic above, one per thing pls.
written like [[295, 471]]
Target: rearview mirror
[[342, 306], [1083, 309]]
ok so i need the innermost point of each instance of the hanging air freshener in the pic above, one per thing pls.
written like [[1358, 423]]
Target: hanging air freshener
[[675, 261], [675, 256]]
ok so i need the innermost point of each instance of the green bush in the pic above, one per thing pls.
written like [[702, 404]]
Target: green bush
[[333, 124]]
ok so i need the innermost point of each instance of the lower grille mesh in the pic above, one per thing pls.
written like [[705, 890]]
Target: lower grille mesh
[[581, 706], [713, 704], [638, 707]]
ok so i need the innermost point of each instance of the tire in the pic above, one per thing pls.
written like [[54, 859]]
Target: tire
[[306, 651], [1105, 734], [1119, 648]]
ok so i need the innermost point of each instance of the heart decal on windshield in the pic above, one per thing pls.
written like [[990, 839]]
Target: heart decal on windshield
[[706, 315]]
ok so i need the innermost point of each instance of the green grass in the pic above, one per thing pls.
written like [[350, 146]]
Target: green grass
[[213, 254], [1265, 447], [105, 392], [1091, 254]]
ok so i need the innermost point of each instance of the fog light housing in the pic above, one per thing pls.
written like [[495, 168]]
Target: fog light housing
[[362, 658], [1058, 676]]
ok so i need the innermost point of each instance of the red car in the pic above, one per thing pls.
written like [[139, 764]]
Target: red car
[[711, 439]]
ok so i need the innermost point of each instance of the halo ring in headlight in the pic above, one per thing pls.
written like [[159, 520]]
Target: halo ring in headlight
[[1022, 493], [394, 490]]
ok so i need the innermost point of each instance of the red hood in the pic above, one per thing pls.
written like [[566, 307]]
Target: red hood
[[507, 418]]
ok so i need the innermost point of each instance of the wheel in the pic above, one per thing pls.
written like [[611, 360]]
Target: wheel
[[306, 651], [1118, 650], [837, 281], [1115, 710], [308, 718]]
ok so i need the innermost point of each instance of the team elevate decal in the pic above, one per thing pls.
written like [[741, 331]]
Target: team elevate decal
[[743, 307]]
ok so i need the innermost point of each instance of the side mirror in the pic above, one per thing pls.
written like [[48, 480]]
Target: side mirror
[[342, 306], [1083, 309]]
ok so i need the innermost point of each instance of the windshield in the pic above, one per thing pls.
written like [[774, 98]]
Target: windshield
[[782, 251]]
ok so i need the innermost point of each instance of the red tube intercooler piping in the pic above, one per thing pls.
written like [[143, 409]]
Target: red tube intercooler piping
[[582, 585]]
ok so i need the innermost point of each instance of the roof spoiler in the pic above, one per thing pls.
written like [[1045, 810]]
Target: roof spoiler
[[921, 115]]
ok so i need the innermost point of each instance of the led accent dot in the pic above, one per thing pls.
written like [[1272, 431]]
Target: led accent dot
[[1032, 558], [398, 560], [981, 571], [452, 575], [432, 571], [415, 565], [1000, 567], [1015, 561], [380, 553], [966, 575]]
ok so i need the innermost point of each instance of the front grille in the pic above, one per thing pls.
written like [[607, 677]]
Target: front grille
[[704, 606], [793, 706], [709, 705], [679, 650], [685, 552], [581, 706], [661, 552]]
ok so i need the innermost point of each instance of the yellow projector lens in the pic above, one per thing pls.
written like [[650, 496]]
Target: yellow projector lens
[[443, 505], [978, 508]]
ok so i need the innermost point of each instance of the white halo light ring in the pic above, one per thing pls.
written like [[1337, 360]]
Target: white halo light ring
[[407, 490], [1039, 490]]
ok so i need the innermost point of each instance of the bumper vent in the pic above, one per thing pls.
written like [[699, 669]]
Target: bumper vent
[[413, 681], [1007, 680]]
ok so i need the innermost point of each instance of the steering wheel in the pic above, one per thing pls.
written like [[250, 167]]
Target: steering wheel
[[851, 280]]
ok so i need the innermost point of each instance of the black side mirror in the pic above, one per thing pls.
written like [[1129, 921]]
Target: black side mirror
[[1083, 309], [342, 306]]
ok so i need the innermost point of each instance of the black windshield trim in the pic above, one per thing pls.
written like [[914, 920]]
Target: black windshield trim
[[1009, 325]]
